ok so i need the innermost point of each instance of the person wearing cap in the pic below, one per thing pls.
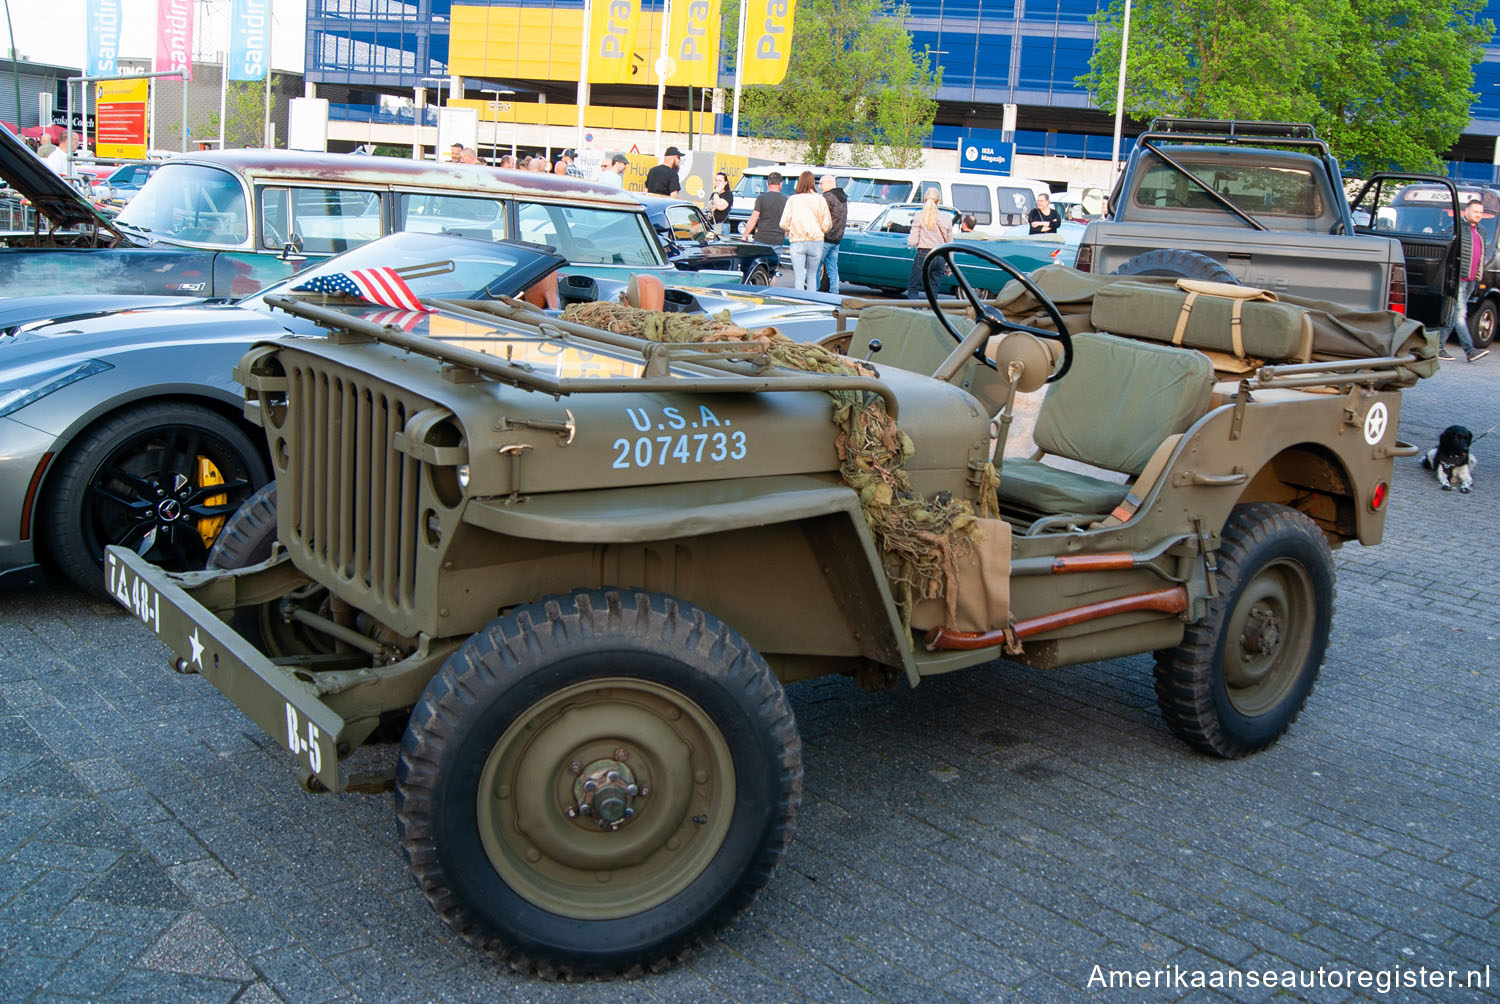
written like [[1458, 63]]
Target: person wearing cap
[[613, 175], [663, 179], [566, 166]]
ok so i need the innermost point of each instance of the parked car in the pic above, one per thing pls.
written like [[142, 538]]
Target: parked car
[[1427, 209], [125, 181], [692, 244], [122, 424], [878, 256], [226, 223]]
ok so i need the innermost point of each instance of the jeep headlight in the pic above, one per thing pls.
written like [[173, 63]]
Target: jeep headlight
[[19, 392]]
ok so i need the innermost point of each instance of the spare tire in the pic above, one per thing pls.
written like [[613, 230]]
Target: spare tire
[[1179, 264]]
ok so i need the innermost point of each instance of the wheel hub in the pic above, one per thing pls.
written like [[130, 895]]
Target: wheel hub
[[1262, 634], [605, 790]]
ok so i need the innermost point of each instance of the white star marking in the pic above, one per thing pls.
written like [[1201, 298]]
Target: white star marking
[[197, 648], [1375, 423]]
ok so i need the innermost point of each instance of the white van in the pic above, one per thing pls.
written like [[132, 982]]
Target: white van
[[752, 182], [997, 201]]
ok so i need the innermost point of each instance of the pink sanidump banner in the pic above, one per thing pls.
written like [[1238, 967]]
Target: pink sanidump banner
[[174, 36]]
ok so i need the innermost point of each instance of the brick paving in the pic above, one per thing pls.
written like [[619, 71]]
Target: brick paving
[[990, 836]]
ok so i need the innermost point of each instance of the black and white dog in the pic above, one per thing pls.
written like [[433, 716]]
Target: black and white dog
[[1451, 460]]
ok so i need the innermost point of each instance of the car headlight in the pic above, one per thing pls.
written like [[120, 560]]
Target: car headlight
[[18, 392]]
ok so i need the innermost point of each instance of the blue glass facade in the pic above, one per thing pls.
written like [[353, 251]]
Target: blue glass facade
[[992, 52]]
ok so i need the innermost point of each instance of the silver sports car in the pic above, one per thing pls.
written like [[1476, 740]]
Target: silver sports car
[[120, 422]]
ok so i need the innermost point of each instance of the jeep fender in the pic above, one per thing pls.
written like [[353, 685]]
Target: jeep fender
[[773, 556]]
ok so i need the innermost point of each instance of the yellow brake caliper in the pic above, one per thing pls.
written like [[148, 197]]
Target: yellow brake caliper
[[209, 526]]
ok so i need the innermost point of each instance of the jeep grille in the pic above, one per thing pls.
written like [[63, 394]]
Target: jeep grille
[[354, 508]]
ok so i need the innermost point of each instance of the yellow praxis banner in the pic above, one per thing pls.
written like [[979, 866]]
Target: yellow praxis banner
[[612, 29], [540, 43], [768, 40], [694, 45]]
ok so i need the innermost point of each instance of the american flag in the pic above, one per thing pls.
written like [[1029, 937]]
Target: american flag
[[377, 285], [404, 320]]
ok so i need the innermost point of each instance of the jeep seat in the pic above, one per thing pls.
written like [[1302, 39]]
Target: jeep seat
[[1120, 401]]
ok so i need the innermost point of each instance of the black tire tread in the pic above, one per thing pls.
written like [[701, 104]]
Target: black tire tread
[[551, 625], [1178, 262], [249, 533], [1184, 690]]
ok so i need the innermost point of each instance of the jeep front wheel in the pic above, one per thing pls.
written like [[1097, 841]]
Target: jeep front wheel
[[595, 782], [1242, 674]]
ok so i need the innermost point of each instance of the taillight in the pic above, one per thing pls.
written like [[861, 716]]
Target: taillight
[[1085, 260], [1377, 497], [1396, 295]]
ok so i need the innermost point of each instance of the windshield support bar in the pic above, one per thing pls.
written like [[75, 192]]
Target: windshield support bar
[[528, 378]]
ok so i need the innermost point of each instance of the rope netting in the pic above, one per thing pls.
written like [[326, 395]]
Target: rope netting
[[921, 539]]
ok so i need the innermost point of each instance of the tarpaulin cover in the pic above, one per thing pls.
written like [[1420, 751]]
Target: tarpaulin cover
[[1338, 332]]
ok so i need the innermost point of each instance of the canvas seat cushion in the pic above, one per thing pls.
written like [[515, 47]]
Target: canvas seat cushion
[[1121, 399], [1043, 488]]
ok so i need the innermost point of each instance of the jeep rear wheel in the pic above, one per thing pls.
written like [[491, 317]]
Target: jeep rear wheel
[[595, 782], [1243, 673]]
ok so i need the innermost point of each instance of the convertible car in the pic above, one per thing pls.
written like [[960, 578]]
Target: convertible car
[[692, 244], [224, 224], [122, 424], [878, 256]]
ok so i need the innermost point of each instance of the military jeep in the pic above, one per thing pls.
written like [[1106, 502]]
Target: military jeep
[[573, 568]]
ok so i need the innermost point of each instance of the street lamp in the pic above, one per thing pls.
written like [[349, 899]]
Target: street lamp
[[417, 116], [495, 135], [1114, 157]]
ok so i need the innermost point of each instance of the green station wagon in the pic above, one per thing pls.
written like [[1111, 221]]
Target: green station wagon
[[878, 256], [226, 223]]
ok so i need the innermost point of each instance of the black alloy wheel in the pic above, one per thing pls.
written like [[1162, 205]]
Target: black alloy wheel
[[160, 479]]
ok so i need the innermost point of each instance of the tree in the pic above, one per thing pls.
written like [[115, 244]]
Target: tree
[[1386, 82], [244, 115], [1398, 94], [851, 63], [904, 112]]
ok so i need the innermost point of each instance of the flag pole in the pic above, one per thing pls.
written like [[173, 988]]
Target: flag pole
[[270, 19], [583, 69], [661, 69], [739, 76]]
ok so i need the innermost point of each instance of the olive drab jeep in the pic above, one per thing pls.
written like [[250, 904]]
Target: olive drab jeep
[[572, 561]]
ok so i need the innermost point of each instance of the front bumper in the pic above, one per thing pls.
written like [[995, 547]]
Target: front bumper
[[288, 708], [22, 449]]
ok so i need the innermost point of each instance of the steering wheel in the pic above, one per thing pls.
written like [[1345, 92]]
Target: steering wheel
[[988, 313]]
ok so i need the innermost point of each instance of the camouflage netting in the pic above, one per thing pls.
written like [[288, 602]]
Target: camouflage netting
[[920, 539]]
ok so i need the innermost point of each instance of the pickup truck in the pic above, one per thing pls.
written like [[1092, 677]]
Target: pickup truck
[[1264, 204]]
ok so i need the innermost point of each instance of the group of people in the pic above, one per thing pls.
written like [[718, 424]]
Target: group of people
[[611, 173], [812, 220]]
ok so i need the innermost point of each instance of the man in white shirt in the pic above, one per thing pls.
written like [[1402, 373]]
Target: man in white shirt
[[613, 173]]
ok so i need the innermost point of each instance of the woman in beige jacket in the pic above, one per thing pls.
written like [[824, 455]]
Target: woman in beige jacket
[[806, 219], [929, 228]]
